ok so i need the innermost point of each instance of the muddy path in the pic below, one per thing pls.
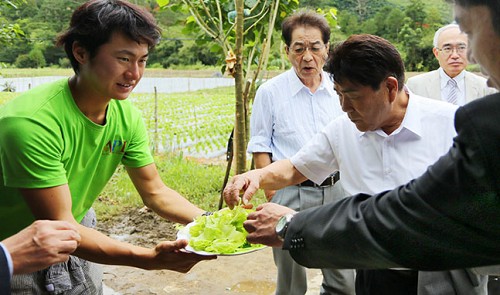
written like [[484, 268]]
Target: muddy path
[[253, 273]]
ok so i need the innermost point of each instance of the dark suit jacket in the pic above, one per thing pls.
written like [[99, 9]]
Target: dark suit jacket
[[4, 274], [448, 218]]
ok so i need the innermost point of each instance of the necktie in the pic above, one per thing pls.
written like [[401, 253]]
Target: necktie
[[453, 93]]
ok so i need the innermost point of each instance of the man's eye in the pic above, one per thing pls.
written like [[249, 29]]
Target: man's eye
[[123, 59], [316, 49], [298, 50]]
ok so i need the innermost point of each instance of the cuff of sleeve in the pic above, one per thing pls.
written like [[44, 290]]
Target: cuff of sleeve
[[259, 144], [9, 259]]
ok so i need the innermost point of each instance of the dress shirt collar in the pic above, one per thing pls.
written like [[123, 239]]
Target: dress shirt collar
[[411, 120], [296, 85], [460, 79]]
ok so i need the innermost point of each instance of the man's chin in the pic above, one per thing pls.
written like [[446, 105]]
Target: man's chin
[[492, 84]]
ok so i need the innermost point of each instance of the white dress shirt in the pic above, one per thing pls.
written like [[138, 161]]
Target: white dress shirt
[[286, 114], [445, 88], [371, 162]]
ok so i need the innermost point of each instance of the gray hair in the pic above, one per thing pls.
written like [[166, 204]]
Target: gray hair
[[442, 29]]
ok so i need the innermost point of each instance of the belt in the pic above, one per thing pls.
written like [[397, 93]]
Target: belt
[[331, 180]]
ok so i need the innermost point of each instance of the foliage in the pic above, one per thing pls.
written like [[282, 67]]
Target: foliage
[[410, 27], [36, 23], [34, 59], [211, 21], [8, 87]]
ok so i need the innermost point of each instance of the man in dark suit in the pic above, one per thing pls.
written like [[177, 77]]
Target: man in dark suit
[[446, 219], [43, 243]]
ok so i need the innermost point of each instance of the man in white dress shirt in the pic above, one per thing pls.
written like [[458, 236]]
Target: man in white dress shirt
[[387, 137], [451, 82], [288, 111]]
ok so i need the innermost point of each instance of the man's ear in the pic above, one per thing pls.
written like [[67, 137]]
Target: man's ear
[[81, 54], [392, 85], [435, 51]]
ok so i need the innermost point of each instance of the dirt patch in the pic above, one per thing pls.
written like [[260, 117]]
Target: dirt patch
[[252, 273]]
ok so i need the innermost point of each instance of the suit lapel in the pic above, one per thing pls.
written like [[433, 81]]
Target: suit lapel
[[433, 85], [471, 88]]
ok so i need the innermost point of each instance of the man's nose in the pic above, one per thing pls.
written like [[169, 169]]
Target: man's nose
[[134, 71], [308, 54]]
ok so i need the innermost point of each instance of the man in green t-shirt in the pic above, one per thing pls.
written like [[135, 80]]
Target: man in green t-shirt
[[61, 142]]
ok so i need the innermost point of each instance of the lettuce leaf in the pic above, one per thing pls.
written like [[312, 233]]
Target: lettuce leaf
[[222, 232]]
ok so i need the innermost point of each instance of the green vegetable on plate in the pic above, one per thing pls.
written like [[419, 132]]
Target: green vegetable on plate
[[221, 232]]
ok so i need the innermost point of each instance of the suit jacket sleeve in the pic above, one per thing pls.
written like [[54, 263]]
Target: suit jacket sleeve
[[4, 273], [446, 219]]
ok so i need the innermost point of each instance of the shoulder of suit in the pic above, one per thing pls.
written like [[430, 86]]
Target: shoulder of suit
[[420, 77], [475, 77]]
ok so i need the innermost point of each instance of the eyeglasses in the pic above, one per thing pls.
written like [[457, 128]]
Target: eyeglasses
[[461, 49], [299, 49]]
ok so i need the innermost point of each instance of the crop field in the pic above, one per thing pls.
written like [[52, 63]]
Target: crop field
[[197, 124]]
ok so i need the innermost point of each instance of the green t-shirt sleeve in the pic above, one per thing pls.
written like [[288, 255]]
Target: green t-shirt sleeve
[[138, 153], [31, 153]]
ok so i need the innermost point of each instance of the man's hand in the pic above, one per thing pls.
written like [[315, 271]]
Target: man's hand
[[169, 255], [43, 243], [248, 183], [261, 224], [269, 194]]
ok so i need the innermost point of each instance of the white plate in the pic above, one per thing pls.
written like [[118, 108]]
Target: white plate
[[183, 234]]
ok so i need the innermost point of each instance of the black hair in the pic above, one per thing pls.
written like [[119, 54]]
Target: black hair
[[304, 18], [365, 60], [93, 23]]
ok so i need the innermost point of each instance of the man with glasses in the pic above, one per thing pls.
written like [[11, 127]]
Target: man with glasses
[[288, 111], [451, 82]]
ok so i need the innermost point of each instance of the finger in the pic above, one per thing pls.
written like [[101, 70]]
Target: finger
[[247, 206], [252, 216], [249, 192], [249, 226], [182, 243], [171, 246], [207, 257], [67, 247], [59, 224], [69, 235], [231, 195]]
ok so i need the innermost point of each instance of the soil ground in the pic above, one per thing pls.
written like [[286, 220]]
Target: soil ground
[[253, 273]]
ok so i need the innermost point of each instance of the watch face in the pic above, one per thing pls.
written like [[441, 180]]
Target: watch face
[[281, 224]]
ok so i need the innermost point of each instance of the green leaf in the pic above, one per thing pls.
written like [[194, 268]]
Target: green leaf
[[162, 3]]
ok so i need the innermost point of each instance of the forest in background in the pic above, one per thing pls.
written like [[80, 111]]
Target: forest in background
[[409, 24]]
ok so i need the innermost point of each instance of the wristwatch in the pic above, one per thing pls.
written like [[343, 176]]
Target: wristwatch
[[282, 225]]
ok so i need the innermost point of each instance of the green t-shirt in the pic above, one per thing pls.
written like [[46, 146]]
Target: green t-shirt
[[46, 141]]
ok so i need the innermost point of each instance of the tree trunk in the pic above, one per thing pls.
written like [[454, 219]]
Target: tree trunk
[[239, 127]]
